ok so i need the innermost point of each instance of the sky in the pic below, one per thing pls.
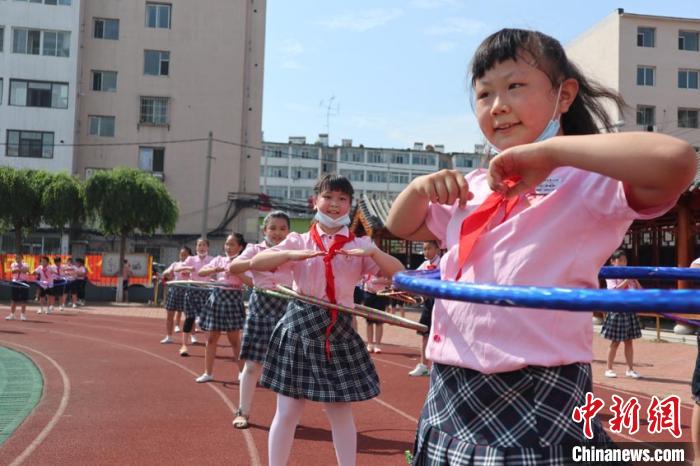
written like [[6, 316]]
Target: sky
[[390, 73]]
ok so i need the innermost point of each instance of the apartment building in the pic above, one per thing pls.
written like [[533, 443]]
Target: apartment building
[[289, 170], [654, 62], [91, 85], [39, 58]]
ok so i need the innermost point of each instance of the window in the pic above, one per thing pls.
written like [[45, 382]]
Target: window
[[38, 144], [2, 38], [276, 191], [353, 175], [646, 37], [304, 173], [102, 126], [646, 115], [56, 44], [26, 41], [158, 15], [274, 153], [423, 159], [154, 111], [49, 2], [464, 162], [1, 88], [376, 177], [645, 76], [276, 172], [687, 79], [400, 178], [687, 118], [106, 29], [304, 153], [352, 156], [151, 159], [374, 156], [38, 94], [688, 40], [300, 194], [156, 62], [105, 81], [399, 158]]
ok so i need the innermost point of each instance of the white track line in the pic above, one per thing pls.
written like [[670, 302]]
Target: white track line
[[250, 442], [59, 412]]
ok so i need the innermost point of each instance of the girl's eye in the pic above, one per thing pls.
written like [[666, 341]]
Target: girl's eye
[[482, 95], [515, 85]]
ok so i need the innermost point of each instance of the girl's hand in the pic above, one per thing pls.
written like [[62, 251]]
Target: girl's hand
[[528, 164], [303, 254], [443, 187], [358, 252]]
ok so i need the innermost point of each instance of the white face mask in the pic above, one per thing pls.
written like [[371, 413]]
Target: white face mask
[[329, 222], [549, 131]]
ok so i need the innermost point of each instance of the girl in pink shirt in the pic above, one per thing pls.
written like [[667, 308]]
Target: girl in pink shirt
[[264, 311], [314, 352], [224, 310], [19, 271], [175, 299], [555, 201], [195, 298]]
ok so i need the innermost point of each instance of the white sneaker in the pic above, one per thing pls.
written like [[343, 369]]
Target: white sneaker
[[610, 373], [22, 317], [204, 378], [633, 374], [420, 369], [10, 317], [74, 306], [40, 311], [167, 339], [177, 329], [193, 339], [60, 308], [369, 348], [49, 310]]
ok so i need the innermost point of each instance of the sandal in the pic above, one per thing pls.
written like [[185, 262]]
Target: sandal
[[241, 420]]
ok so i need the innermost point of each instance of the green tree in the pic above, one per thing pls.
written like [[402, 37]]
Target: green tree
[[21, 207], [63, 201], [125, 200]]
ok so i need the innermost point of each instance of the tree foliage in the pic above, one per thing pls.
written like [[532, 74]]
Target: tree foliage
[[63, 201], [125, 200], [21, 207]]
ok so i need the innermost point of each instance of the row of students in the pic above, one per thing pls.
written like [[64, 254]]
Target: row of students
[[55, 282]]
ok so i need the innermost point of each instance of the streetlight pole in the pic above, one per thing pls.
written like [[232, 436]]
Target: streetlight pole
[[205, 213]]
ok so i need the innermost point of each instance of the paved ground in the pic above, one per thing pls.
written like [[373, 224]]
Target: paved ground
[[113, 395]]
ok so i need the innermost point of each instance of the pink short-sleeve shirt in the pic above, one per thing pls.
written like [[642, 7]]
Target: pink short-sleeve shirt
[[309, 275], [19, 272], [267, 280], [197, 263], [227, 278], [558, 236]]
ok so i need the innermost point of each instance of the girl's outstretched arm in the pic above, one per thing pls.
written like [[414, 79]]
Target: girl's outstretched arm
[[239, 265], [387, 263], [407, 215], [655, 168], [269, 260]]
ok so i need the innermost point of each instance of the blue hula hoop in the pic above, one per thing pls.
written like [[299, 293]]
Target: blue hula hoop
[[651, 273], [428, 283]]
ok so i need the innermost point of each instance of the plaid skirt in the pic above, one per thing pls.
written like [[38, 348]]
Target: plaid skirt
[[175, 299], [195, 300], [516, 418], [621, 326], [263, 314], [296, 364], [224, 311]]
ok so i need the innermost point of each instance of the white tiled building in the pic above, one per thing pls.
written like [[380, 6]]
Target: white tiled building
[[654, 62]]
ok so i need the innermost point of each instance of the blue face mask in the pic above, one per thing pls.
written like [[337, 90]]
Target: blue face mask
[[330, 222], [549, 131]]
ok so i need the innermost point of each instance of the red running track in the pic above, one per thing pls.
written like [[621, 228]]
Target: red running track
[[114, 395]]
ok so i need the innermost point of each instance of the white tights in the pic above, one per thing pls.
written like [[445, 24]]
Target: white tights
[[287, 417], [251, 373]]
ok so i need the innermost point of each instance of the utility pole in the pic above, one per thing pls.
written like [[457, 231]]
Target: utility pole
[[206, 186]]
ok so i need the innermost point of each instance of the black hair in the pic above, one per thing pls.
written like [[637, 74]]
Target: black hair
[[239, 239], [276, 214], [57, 260], [44, 258], [433, 242], [618, 254], [333, 182], [204, 240], [80, 261], [586, 112], [188, 249]]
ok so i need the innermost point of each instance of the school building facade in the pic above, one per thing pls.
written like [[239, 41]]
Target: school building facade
[[92, 85]]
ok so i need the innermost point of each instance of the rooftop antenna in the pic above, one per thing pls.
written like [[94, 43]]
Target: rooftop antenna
[[331, 110]]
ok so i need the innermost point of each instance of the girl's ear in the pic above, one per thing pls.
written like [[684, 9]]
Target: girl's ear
[[569, 90]]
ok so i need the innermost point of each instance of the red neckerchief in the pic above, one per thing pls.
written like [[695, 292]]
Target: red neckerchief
[[338, 242], [475, 223]]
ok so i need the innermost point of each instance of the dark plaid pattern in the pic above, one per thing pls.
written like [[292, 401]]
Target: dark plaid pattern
[[195, 300], [518, 418], [296, 364], [263, 314], [621, 326], [695, 383], [224, 311], [175, 299]]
